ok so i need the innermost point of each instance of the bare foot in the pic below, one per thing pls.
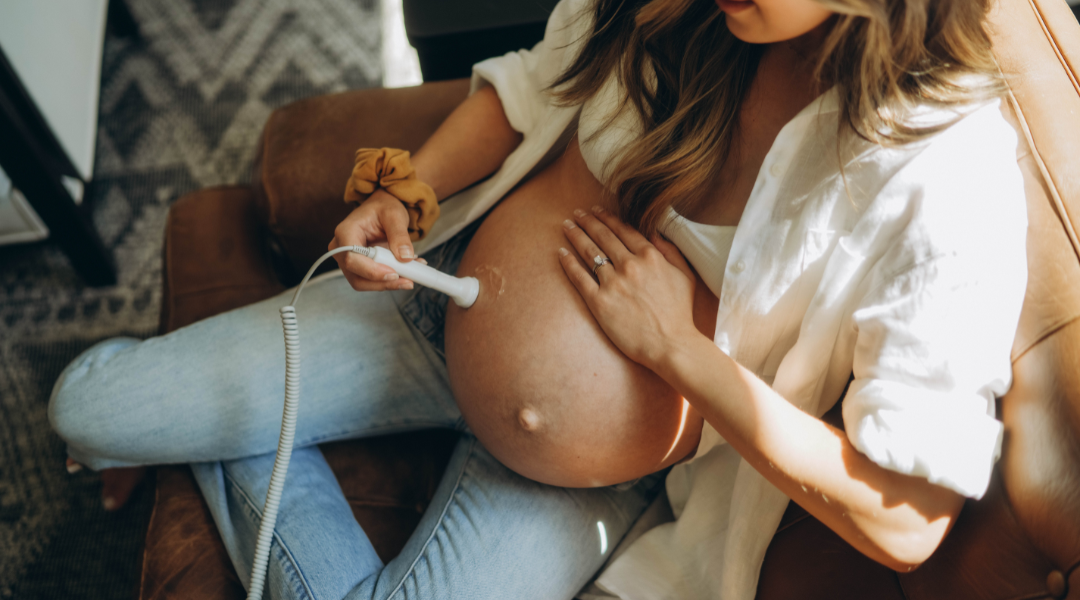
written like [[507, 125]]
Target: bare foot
[[117, 485]]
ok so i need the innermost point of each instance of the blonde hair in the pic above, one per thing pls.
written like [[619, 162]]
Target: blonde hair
[[686, 76]]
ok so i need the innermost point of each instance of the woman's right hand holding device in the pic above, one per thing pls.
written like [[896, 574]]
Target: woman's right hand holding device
[[381, 220], [471, 144]]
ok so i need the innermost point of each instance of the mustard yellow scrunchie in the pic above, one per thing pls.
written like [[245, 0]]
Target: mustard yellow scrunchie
[[390, 169]]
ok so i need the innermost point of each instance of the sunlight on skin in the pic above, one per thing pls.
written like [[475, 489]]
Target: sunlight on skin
[[682, 426]]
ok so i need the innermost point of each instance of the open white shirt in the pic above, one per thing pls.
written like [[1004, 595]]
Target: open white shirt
[[908, 270]]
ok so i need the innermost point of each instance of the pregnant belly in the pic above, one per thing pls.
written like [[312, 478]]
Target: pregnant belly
[[535, 377]]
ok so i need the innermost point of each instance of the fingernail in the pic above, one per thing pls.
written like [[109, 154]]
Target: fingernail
[[405, 285], [567, 223], [579, 213], [390, 277], [597, 208], [405, 252], [73, 468], [563, 252], [109, 503], [421, 261]]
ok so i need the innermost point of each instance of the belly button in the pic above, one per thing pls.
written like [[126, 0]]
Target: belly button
[[529, 419]]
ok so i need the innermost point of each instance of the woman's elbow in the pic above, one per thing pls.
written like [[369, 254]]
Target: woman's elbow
[[905, 549], [905, 553]]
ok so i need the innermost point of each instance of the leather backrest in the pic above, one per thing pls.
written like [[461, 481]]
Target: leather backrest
[[1037, 43]]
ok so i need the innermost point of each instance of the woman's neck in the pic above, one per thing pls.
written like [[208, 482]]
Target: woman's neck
[[798, 57], [786, 79], [783, 85]]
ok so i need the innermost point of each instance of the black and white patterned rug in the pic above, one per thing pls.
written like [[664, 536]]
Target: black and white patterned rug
[[181, 108]]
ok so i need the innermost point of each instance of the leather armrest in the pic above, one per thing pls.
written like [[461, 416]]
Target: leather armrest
[[214, 259]]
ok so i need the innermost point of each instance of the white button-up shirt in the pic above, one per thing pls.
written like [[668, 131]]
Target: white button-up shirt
[[906, 268]]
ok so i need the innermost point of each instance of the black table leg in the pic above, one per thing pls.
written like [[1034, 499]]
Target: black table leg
[[35, 162], [121, 21]]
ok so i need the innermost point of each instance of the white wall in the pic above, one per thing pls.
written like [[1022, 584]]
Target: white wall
[[401, 67], [55, 47]]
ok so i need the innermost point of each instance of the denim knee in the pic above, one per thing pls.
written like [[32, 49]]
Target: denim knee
[[75, 406]]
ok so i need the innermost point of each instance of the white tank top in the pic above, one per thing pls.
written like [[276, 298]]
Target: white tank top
[[706, 247]]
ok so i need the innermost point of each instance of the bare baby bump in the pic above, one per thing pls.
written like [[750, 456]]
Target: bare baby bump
[[535, 377]]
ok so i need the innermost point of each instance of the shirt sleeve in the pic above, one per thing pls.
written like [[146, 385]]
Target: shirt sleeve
[[933, 341], [521, 78]]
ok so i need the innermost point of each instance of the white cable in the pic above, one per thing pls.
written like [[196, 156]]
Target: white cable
[[463, 291]]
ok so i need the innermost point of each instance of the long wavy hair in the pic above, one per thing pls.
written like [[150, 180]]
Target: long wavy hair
[[686, 76]]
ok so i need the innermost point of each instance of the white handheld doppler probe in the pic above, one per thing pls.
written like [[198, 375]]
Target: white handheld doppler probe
[[462, 290]]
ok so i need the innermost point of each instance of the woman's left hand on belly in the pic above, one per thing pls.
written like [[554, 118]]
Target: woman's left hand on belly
[[643, 299]]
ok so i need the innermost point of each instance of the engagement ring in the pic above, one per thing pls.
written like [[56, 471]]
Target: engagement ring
[[599, 261]]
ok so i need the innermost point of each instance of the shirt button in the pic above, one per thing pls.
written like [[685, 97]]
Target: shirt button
[[726, 300], [738, 267], [775, 169]]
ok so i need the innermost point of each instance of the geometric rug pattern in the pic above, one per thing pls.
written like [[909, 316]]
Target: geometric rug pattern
[[181, 107]]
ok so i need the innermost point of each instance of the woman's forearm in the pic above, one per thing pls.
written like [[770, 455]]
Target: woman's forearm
[[469, 145], [898, 520]]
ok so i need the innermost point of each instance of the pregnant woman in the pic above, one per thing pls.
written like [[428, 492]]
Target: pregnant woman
[[698, 225]]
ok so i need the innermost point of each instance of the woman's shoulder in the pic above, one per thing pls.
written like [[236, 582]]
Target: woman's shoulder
[[967, 171], [975, 133], [959, 193], [570, 21], [972, 166]]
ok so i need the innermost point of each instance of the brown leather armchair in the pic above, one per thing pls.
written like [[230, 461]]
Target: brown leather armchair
[[1021, 541]]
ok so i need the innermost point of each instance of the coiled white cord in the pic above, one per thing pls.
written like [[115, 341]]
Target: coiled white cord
[[288, 431], [463, 291]]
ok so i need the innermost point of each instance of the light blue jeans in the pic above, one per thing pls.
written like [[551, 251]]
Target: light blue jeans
[[211, 394]]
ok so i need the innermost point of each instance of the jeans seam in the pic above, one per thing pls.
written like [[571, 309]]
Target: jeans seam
[[294, 578], [298, 573], [439, 524]]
